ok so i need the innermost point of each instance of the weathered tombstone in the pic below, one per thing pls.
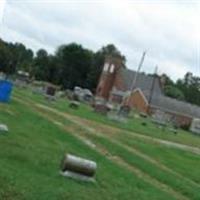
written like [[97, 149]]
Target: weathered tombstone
[[69, 94], [22, 79], [124, 111], [114, 115], [195, 126], [74, 104], [82, 94], [160, 119], [60, 94], [3, 128], [77, 93], [87, 96], [50, 92], [78, 168], [38, 87], [101, 106], [143, 115]]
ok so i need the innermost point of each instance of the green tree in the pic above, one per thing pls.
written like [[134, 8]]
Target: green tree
[[190, 86], [40, 65], [174, 92], [75, 63]]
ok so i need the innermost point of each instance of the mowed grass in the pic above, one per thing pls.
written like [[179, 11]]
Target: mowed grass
[[133, 124], [178, 175], [184, 177], [30, 156]]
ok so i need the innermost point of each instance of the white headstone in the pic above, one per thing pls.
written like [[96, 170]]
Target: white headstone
[[3, 128], [195, 126]]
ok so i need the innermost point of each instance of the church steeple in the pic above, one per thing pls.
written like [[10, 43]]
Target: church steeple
[[108, 75]]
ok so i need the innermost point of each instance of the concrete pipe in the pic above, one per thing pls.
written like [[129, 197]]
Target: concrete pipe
[[78, 165]]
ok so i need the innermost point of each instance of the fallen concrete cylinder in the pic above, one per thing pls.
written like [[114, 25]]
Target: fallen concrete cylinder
[[78, 165]]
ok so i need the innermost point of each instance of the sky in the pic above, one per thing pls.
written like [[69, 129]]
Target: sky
[[168, 30]]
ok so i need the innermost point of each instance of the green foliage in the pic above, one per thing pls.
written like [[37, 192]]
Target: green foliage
[[187, 89], [75, 63], [71, 65], [174, 92], [190, 86], [14, 57]]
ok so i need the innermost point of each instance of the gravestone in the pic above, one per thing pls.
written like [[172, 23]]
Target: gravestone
[[124, 111], [74, 104], [3, 128], [195, 126], [78, 168], [50, 92]]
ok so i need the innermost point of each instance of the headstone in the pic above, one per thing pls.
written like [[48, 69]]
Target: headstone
[[82, 94], [195, 126], [143, 115], [78, 168], [22, 79], [74, 104], [3, 128], [102, 107], [124, 111], [50, 92]]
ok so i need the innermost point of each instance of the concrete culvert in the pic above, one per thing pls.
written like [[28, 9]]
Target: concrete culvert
[[76, 167]]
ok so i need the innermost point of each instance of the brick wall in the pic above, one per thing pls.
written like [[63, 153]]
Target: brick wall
[[109, 77], [137, 101], [178, 119]]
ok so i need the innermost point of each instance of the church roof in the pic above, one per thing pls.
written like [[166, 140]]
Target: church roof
[[144, 82], [176, 106]]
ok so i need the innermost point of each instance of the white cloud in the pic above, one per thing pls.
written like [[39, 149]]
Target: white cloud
[[168, 30], [2, 5]]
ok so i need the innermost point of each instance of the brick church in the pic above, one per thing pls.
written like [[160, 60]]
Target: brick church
[[145, 95]]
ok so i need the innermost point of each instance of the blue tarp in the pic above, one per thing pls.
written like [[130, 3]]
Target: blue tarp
[[5, 90]]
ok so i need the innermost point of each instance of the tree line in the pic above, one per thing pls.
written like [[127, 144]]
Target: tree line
[[71, 65], [74, 65], [185, 89]]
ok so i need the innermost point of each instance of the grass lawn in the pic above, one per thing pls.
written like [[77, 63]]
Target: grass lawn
[[133, 124], [31, 153], [30, 156]]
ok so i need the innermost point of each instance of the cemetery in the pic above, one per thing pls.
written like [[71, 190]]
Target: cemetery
[[109, 138], [99, 100], [113, 150]]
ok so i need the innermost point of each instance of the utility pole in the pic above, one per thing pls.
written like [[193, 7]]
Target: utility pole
[[152, 86], [135, 77], [138, 70]]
